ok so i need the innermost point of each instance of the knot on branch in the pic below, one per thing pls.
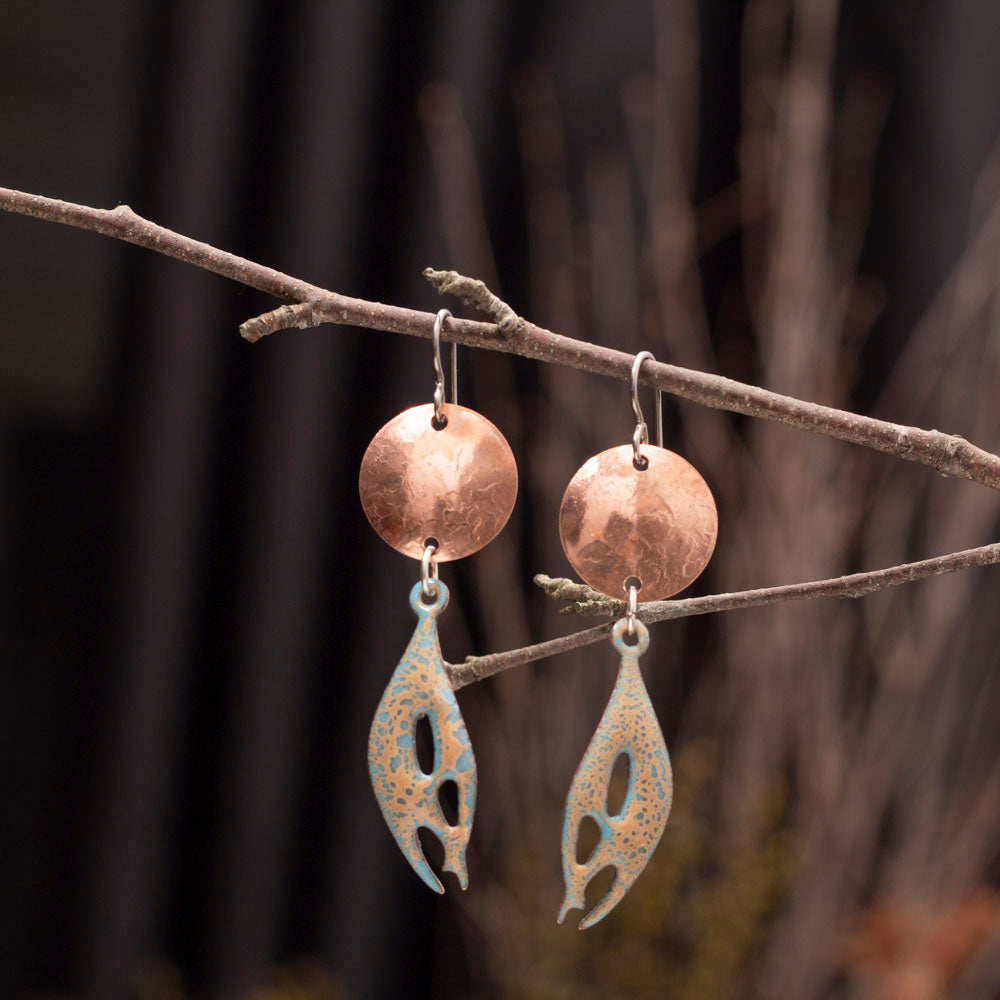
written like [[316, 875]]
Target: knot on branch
[[302, 315], [474, 292], [586, 600]]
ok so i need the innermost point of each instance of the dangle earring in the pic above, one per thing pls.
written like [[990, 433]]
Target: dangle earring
[[632, 518], [437, 482]]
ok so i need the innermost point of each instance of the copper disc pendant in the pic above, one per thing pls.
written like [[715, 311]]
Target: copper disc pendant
[[658, 524], [456, 485]]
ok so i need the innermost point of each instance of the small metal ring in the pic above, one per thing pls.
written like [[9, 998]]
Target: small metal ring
[[633, 607], [428, 573], [639, 437], [641, 433], [439, 394]]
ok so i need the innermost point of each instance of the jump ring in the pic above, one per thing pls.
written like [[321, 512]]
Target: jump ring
[[429, 573]]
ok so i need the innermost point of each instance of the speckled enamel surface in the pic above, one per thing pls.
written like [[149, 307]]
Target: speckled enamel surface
[[406, 795], [628, 839]]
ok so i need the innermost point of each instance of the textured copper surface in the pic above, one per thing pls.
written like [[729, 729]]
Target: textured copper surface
[[457, 485], [659, 524], [629, 836]]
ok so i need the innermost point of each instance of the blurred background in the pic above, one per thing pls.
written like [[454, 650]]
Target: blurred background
[[197, 621]]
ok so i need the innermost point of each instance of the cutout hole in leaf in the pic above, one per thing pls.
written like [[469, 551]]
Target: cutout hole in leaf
[[423, 742], [588, 836], [599, 886], [618, 784], [448, 800], [432, 847]]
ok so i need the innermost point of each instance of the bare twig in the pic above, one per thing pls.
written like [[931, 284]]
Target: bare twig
[[300, 316], [948, 454], [586, 600], [475, 293], [477, 668]]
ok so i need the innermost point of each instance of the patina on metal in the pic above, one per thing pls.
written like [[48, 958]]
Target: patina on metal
[[633, 518], [409, 797], [456, 484], [657, 524], [628, 837]]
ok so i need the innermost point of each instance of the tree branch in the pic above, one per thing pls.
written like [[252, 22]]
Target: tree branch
[[948, 454], [477, 668]]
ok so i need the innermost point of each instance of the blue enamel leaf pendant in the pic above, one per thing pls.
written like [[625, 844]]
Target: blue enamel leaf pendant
[[407, 796], [628, 837]]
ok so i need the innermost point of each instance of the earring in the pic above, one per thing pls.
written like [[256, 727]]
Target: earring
[[437, 482], [632, 518]]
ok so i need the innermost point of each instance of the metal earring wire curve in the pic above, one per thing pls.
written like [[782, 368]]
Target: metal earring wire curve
[[439, 417], [408, 796], [641, 433]]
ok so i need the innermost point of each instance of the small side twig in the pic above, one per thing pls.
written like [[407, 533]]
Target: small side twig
[[586, 600], [477, 668], [474, 292], [300, 316]]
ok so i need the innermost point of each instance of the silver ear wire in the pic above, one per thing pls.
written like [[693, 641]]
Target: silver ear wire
[[641, 433], [442, 315]]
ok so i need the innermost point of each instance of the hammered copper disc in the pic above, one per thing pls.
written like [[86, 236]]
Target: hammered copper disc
[[457, 485], [659, 524]]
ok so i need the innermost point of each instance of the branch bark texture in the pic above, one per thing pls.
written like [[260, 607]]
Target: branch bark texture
[[477, 668], [948, 454], [310, 305]]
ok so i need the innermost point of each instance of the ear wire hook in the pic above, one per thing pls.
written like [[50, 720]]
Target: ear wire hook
[[641, 433], [439, 418]]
